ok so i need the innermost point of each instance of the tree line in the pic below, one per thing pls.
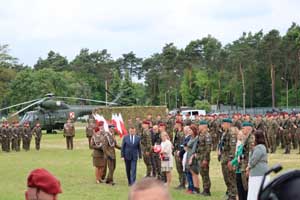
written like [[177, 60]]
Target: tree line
[[258, 69]]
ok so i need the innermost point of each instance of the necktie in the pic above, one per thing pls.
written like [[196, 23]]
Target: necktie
[[133, 139]]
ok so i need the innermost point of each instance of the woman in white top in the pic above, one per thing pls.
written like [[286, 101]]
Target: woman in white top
[[166, 157]]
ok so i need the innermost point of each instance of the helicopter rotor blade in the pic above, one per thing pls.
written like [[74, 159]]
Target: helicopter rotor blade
[[91, 100], [19, 104], [117, 98], [23, 109]]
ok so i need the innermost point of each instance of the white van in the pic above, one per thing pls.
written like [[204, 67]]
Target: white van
[[192, 113]]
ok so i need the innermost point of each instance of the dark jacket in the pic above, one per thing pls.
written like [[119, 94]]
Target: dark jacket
[[129, 150]]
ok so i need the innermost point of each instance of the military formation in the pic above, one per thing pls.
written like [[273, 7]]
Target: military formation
[[12, 136]]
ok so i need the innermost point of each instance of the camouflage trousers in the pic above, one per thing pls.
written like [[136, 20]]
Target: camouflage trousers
[[5, 144], [294, 140], [230, 181], [179, 168], [26, 143], [13, 144], [156, 165], [204, 172], [37, 143], [245, 180], [272, 142], [147, 161], [287, 141], [215, 141]]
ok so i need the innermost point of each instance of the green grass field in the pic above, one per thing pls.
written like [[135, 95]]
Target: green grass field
[[76, 173]]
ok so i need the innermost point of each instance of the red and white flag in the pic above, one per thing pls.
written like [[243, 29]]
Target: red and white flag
[[99, 118], [116, 123], [124, 131]]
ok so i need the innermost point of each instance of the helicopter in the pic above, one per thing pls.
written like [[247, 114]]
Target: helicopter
[[51, 112]]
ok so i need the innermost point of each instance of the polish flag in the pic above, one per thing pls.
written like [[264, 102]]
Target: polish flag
[[124, 131], [99, 118], [117, 124]]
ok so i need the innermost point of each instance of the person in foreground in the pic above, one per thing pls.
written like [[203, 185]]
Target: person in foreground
[[149, 189], [130, 152], [258, 165], [42, 185]]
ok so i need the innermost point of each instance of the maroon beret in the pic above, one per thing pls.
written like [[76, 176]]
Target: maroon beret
[[146, 122], [43, 180], [179, 122], [162, 124]]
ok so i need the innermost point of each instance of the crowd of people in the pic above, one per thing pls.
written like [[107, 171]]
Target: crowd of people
[[241, 141]]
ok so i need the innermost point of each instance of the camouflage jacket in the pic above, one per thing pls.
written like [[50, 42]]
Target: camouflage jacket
[[146, 144], [204, 146]]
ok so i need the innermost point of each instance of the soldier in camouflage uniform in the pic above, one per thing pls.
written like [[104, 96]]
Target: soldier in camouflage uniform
[[69, 134], [6, 137], [247, 146], [187, 121], [261, 125], [279, 137], [178, 140], [287, 125], [272, 130], [37, 133], [293, 132], [155, 157], [109, 146], [226, 153], [16, 137], [237, 122], [146, 147], [26, 136], [213, 130], [203, 155], [17, 134], [89, 130]]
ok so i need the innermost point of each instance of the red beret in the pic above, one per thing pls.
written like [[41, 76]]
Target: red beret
[[162, 124], [179, 122], [146, 122], [43, 180]]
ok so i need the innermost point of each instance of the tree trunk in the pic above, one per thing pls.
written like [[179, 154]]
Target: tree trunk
[[273, 84], [244, 89]]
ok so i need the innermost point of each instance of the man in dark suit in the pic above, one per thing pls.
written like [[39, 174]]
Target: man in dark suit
[[130, 152]]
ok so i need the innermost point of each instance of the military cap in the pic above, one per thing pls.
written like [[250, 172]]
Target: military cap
[[247, 124], [227, 120], [179, 122], [146, 122], [203, 122], [43, 180], [162, 124]]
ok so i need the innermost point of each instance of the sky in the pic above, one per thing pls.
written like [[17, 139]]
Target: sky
[[34, 27]]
